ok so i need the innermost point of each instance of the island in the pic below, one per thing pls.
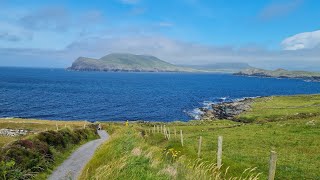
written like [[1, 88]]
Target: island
[[280, 73], [124, 62]]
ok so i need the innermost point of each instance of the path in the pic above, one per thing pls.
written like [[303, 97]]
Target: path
[[72, 167]]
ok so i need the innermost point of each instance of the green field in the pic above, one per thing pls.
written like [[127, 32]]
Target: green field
[[288, 125]]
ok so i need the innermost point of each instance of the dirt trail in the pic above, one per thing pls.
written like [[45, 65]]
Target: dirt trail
[[71, 168]]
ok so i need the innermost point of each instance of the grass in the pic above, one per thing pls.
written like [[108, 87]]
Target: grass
[[289, 125], [5, 140], [33, 125], [60, 145], [283, 108], [125, 156]]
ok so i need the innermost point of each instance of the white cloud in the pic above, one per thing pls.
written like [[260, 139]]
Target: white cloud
[[306, 40]]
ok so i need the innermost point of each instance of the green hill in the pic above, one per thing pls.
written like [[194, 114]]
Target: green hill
[[280, 73], [127, 63]]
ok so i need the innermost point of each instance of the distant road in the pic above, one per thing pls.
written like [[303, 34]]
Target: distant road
[[72, 167]]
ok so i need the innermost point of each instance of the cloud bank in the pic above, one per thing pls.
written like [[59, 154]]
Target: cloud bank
[[306, 40], [174, 51]]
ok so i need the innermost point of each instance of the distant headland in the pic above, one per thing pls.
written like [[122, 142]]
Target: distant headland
[[280, 73], [124, 62]]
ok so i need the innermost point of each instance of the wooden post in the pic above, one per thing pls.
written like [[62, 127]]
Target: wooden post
[[181, 135], [272, 165], [164, 129], [158, 129], [168, 133], [57, 126], [84, 126], [199, 147], [175, 132], [154, 128], [161, 129], [219, 153]]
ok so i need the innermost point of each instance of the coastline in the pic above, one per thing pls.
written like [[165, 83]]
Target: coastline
[[258, 75]]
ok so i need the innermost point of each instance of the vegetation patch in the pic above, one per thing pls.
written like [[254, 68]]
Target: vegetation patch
[[24, 158]]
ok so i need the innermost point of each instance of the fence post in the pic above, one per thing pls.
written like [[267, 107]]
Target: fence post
[[57, 126], [168, 133], [154, 128], [199, 146], [219, 153], [181, 135], [175, 132], [164, 129], [161, 129], [158, 128], [272, 165]]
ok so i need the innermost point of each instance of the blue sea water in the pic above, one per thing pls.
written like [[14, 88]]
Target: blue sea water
[[58, 94]]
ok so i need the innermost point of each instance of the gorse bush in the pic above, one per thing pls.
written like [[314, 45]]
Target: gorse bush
[[36, 154]]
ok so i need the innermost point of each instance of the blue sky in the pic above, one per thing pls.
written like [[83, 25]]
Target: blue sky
[[264, 33]]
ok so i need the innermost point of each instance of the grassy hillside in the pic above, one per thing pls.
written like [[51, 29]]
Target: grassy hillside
[[283, 108], [280, 73], [127, 62], [288, 125]]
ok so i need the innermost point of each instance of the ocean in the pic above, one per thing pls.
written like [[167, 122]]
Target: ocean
[[57, 94]]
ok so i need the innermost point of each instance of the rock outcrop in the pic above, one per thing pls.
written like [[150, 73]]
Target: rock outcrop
[[13, 132], [227, 110]]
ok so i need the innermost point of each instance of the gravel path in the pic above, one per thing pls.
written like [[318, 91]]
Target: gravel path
[[72, 167]]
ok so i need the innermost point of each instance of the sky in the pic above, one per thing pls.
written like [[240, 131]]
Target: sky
[[264, 33]]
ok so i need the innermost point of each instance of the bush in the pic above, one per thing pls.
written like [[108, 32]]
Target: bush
[[35, 155]]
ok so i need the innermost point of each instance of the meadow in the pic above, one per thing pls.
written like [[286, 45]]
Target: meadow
[[288, 125]]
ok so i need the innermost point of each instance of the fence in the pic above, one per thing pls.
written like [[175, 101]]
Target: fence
[[166, 132]]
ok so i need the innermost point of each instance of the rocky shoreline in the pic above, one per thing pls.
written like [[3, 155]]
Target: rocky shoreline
[[226, 110]]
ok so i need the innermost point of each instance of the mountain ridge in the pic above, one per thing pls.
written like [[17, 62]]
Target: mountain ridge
[[128, 63]]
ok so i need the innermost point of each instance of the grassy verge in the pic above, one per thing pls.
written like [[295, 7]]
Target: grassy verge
[[125, 156], [42, 152]]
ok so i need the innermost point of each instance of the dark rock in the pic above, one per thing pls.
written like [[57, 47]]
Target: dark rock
[[227, 110]]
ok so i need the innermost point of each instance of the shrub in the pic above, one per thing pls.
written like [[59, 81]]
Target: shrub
[[22, 158]]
